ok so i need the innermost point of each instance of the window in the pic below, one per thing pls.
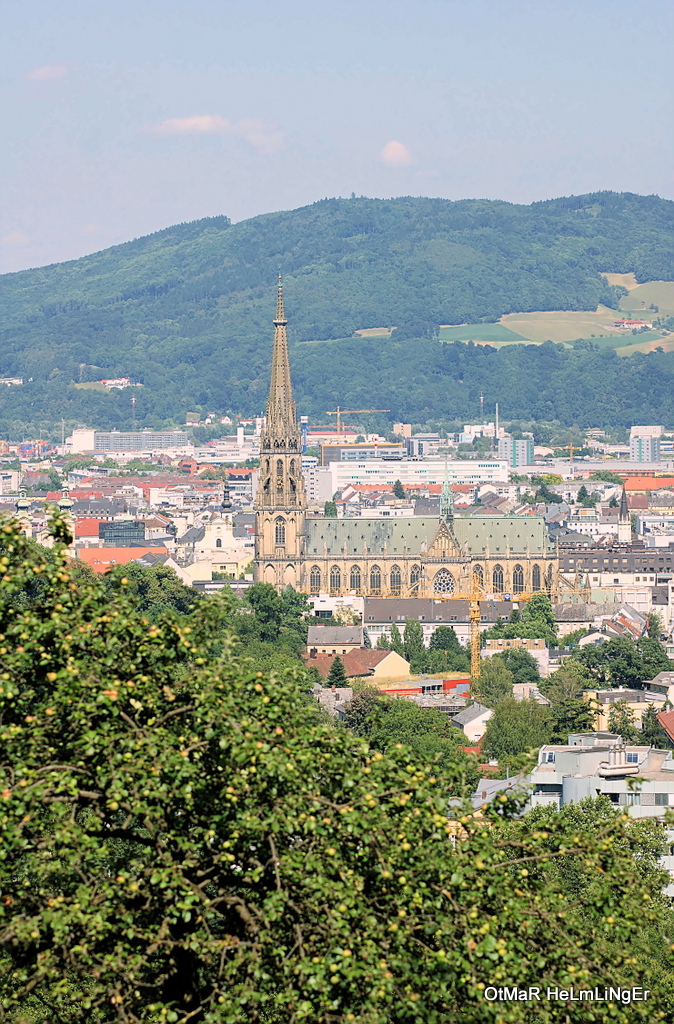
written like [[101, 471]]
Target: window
[[536, 578], [354, 580], [279, 467], [415, 575], [395, 579], [315, 580], [335, 579], [548, 578], [478, 573], [218, 542], [629, 799], [444, 582], [662, 799], [280, 531], [632, 758], [375, 579], [549, 757], [497, 579], [518, 580]]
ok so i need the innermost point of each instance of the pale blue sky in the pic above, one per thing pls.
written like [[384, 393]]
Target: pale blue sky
[[125, 116]]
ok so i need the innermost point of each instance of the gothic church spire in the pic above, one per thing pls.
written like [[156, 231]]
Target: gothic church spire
[[281, 412]]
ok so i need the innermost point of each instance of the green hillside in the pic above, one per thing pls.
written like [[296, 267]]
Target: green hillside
[[187, 311]]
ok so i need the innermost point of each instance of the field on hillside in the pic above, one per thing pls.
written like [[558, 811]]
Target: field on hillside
[[563, 325], [656, 293], [628, 281], [480, 333]]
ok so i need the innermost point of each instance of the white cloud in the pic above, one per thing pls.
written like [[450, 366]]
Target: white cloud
[[204, 123], [396, 154], [48, 73], [262, 138]]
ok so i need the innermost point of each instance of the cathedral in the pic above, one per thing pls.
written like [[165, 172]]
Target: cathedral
[[409, 557]]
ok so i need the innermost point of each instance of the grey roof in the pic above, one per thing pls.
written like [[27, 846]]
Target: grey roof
[[469, 714], [441, 612], [487, 789], [193, 535], [335, 635], [414, 535], [570, 611], [150, 559]]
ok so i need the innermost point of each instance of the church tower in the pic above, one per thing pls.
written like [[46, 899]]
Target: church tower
[[624, 521], [280, 502]]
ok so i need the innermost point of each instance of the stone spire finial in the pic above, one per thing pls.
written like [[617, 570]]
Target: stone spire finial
[[280, 318], [446, 497]]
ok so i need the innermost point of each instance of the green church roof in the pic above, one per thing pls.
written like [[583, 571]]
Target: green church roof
[[414, 535]]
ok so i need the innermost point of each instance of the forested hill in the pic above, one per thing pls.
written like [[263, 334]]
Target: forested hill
[[187, 311]]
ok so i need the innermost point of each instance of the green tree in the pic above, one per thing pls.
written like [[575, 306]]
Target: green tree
[[337, 674], [568, 681], [157, 589], [652, 732], [621, 721], [608, 476], [516, 726], [655, 626], [149, 873], [582, 493], [413, 641], [330, 510], [623, 662], [521, 664], [399, 490], [444, 638], [495, 683], [571, 714], [367, 643], [396, 641]]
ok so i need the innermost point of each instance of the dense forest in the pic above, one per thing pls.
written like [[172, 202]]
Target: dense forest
[[187, 312]]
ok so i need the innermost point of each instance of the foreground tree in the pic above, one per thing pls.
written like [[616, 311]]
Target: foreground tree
[[185, 841]]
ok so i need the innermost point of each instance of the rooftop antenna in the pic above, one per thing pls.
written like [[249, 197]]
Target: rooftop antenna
[[481, 406]]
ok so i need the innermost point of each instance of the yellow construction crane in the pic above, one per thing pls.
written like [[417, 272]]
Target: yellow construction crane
[[573, 448], [338, 412], [473, 597]]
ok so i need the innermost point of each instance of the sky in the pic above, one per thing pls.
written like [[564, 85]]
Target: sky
[[119, 119]]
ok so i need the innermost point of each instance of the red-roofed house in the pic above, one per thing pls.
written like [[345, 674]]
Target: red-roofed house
[[666, 720], [102, 559], [378, 663]]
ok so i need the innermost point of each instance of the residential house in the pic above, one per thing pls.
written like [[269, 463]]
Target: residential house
[[333, 639], [473, 720]]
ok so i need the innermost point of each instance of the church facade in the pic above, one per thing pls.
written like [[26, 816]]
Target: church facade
[[379, 557]]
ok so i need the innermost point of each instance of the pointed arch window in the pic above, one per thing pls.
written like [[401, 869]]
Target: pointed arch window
[[335, 580], [395, 579], [518, 580], [354, 579], [497, 579], [444, 582], [375, 579], [279, 467], [478, 573], [315, 580], [536, 578], [280, 531], [415, 575], [548, 578]]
